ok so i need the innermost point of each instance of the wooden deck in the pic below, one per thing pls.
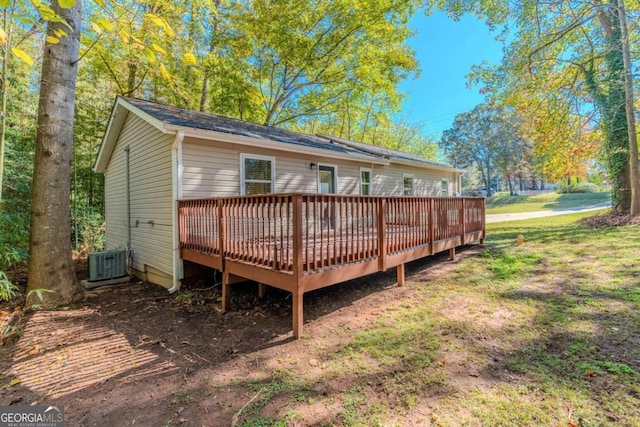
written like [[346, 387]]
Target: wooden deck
[[302, 242]]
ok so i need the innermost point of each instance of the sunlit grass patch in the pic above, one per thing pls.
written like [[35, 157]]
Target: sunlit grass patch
[[503, 203]]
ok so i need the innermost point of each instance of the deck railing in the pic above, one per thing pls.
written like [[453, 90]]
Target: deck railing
[[301, 242], [335, 229]]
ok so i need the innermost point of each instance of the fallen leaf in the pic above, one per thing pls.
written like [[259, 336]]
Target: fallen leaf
[[590, 373]]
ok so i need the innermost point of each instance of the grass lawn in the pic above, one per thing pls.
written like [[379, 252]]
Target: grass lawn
[[503, 203], [543, 334]]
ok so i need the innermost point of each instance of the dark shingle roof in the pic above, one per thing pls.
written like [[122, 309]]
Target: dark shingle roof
[[199, 120], [383, 152]]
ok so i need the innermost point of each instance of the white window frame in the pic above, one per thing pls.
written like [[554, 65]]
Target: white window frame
[[335, 176], [243, 181], [413, 184], [370, 183], [442, 181]]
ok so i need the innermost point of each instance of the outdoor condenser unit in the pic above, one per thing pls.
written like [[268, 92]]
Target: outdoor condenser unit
[[107, 265]]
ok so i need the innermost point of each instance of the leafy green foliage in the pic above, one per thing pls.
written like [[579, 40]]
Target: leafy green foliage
[[487, 138], [579, 187], [563, 70], [7, 289]]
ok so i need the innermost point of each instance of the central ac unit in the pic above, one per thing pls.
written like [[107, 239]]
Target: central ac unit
[[107, 265]]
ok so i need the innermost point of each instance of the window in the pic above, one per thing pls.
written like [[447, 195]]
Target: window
[[445, 188], [326, 179], [257, 174], [407, 185], [365, 182]]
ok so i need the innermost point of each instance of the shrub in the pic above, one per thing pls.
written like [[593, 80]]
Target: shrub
[[581, 187], [14, 239], [7, 289]]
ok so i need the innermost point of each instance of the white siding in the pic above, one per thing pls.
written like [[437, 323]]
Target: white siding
[[212, 169], [150, 198]]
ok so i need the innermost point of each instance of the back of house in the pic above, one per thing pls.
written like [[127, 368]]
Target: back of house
[[153, 155]]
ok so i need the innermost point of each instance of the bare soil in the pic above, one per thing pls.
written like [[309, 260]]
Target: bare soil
[[133, 354]]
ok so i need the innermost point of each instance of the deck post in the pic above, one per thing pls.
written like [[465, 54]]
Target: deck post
[[432, 225], [226, 292], [400, 274], [298, 272], [463, 219], [261, 290], [452, 253], [484, 219], [382, 234]]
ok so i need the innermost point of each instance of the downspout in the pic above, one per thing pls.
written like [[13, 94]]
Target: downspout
[[176, 194], [128, 183]]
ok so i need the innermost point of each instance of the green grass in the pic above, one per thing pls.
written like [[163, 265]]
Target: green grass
[[503, 203], [542, 334]]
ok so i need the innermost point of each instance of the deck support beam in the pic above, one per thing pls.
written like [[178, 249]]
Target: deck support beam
[[298, 314], [261, 289], [226, 292], [400, 274], [452, 253]]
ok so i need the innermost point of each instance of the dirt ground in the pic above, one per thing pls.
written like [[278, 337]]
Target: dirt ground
[[134, 355]]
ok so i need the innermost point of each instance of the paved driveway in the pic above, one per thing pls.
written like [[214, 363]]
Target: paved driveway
[[541, 214]]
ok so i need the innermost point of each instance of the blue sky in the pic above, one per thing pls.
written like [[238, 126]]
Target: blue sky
[[446, 50]]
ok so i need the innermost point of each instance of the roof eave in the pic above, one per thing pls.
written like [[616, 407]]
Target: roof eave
[[274, 145], [420, 164]]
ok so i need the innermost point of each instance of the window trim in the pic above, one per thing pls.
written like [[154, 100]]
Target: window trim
[[243, 180], [335, 176], [413, 188], [370, 183]]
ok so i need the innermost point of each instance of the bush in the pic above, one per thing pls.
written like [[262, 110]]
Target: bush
[[89, 229], [581, 187], [14, 240], [7, 289]]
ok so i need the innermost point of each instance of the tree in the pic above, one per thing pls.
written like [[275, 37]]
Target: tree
[[487, 138], [634, 208], [308, 56], [50, 262], [575, 48]]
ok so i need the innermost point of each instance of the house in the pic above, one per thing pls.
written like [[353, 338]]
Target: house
[[154, 155]]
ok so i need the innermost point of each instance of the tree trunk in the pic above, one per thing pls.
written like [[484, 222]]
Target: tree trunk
[[610, 104], [487, 182], [50, 263], [4, 92], [634, 208]]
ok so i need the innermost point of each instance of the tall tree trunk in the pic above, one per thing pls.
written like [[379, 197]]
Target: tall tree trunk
[[487, 181], [611, 105], [3, 96], [634, 208], [50, 263]]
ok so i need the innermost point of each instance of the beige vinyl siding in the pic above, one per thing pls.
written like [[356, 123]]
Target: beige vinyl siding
[[212, 169], [151, 204], [388, 181]]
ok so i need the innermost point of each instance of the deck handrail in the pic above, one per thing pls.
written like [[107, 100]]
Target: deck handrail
[[301, 233]]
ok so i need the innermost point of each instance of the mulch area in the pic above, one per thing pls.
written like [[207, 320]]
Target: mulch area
[[610, 219]]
